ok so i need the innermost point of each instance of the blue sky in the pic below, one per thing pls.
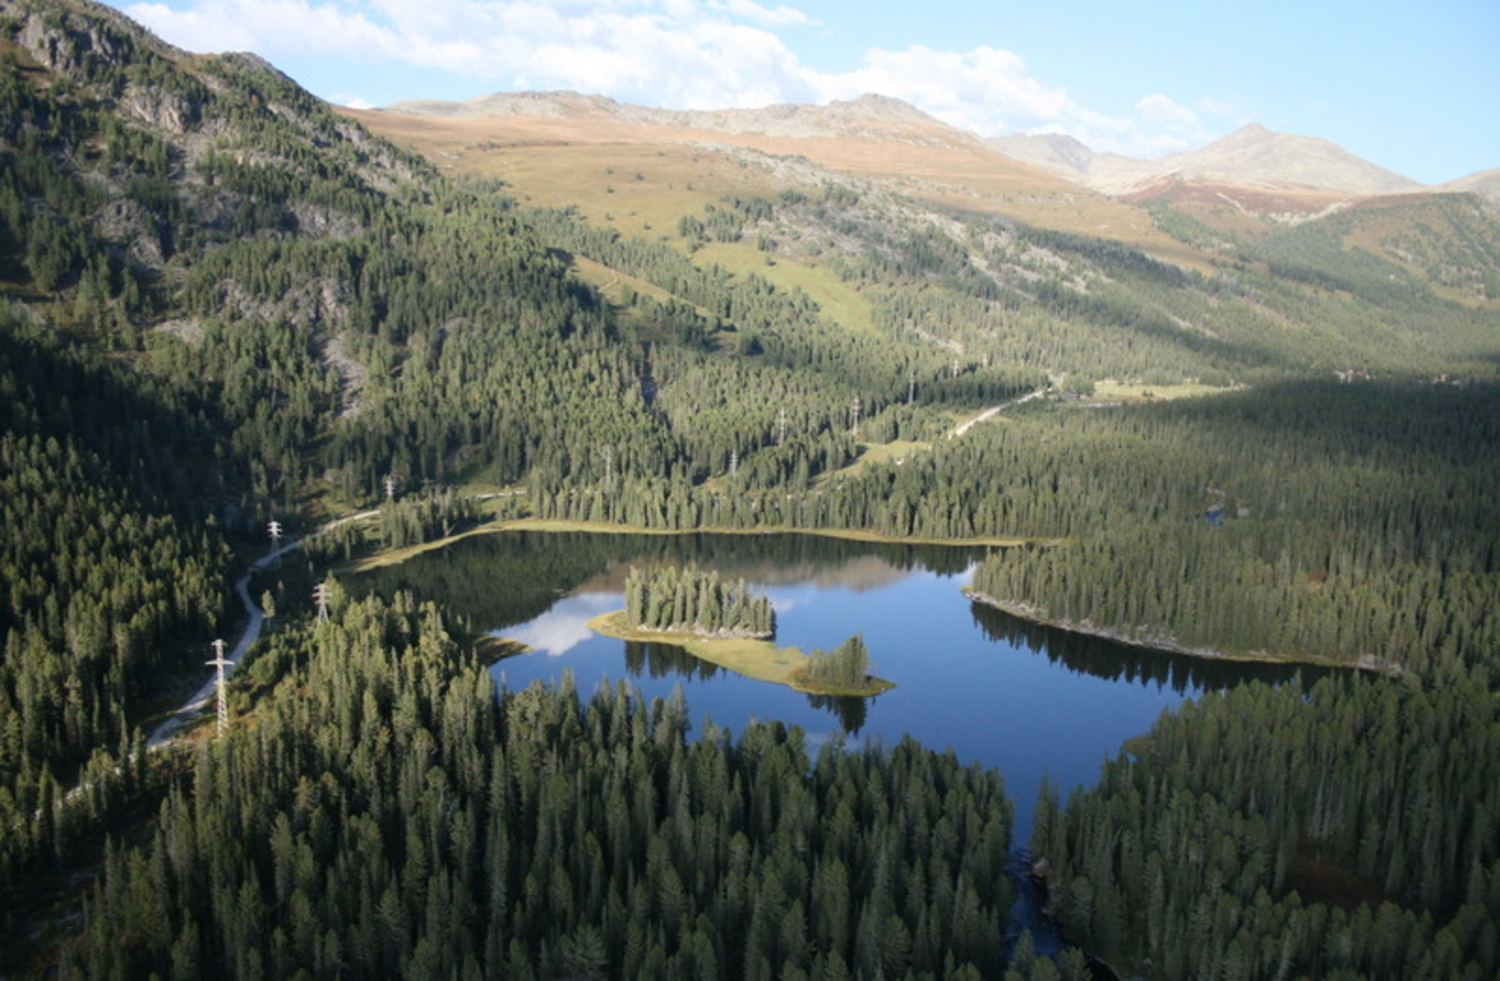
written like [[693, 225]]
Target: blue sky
[[1414, 88]]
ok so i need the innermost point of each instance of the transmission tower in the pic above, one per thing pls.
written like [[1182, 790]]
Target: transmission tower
[[275, 529], [390, 487], [911, 387], [734, 462], [854, 416], [609, 467], [220, 663], [781, 427], [322, 594]]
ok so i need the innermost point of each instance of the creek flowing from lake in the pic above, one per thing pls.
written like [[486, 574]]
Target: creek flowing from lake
[[997, 691]]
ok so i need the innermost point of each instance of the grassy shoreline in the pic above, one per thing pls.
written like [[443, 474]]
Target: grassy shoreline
[[396, 556], [760, 660]]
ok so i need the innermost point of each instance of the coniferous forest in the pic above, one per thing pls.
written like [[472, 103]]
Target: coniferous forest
[[398, 820], [690, 600], [223, 304]]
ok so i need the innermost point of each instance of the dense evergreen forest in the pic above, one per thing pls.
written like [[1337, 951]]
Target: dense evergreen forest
[[222, 303], [395, 820], [1346, 831], [1338, 522]]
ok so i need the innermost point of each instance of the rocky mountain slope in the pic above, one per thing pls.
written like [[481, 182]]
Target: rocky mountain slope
[[1486, 182]]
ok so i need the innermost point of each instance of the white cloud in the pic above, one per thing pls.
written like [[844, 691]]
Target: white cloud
[[777, 17], [689, 54], [1158, 108], [986, 90], [352, 101]]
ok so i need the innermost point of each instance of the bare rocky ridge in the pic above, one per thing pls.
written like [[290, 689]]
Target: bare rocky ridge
[[1251, 156], [1485, 183], [869, 116]]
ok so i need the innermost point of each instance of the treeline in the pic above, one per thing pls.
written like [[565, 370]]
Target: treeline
[[1348, 830], [389, 817], [692, 600], [426, 518], [999, 292], [760, 350]]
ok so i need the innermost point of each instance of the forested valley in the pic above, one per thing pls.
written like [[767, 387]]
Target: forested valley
[[224, 304]]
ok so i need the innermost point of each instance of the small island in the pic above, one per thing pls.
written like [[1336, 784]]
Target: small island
[[727, 625], [692, 601]]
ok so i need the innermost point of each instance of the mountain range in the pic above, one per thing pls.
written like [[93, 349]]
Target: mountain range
[[1252, 156], [228, 308]]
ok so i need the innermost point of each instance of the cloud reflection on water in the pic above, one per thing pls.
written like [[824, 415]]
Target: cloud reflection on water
[[565, 626]]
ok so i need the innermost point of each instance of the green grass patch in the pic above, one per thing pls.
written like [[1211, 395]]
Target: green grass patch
[[839, 301], [761, 660], [871, 454], [1113, 391]]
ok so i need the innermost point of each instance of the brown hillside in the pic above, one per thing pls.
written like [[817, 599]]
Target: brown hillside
[[609, 162]]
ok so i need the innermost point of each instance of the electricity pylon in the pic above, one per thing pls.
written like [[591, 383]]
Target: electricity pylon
[[220, 662]]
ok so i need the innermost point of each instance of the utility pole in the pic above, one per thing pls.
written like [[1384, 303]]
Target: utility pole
[[322, 594], [220, 663]]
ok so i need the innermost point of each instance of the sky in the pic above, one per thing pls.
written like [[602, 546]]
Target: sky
[[1413, 88]]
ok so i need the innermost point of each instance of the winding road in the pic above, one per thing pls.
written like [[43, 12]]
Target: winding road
[[199, 699], [993, 411]]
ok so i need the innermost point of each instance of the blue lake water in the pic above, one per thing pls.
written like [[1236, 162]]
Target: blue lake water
[[997, 691], [1002, 693]]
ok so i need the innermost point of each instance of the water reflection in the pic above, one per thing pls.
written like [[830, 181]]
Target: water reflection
[[565, 625], [851, 712], [490, 582], [657, 660], [1112, 661]]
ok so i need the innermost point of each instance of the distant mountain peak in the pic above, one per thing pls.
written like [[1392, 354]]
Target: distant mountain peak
[[1252, 156]]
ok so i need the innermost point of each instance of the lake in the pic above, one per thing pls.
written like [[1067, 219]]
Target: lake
[[1026, 699]]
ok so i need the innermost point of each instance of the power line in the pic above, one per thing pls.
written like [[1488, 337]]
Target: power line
[[220, 663]]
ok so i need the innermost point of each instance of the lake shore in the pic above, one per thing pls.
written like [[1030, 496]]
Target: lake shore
[[394, 556], [1024, 611]]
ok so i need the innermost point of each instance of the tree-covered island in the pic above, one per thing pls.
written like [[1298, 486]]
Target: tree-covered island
[[725, 624]]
